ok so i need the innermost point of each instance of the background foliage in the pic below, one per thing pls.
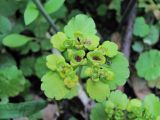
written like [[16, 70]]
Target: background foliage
[[24, 45]]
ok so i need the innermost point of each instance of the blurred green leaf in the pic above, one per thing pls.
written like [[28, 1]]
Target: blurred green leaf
[[27, 66], [152, 37], [140, 28], [45, 45], [31, 13], [25, 109], [116, 5], [53, 5], [15, 40], [137, 47], [102, 9], [8, 7], [148, 65], [60, 13], [40, 66], [6, 60], [12, 81], [34, 46], [5, 24]]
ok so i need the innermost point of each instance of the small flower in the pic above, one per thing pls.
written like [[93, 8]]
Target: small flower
[[91, 42], [134, 104], [96, 58], [71, 80], [64, 69], [76, 57]]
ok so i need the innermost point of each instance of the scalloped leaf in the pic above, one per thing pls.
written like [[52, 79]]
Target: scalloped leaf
[[148, 65], [152, 37], [12, 81], [140, 28], [54, 87], [119, 66], [97, 90], [119, 99], [81, 23], [152, 104], [98, 112]]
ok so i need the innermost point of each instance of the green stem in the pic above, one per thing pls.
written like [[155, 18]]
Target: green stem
[[45, 15]]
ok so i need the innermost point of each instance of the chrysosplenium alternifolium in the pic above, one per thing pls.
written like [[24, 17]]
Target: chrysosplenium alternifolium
[[83, 60]]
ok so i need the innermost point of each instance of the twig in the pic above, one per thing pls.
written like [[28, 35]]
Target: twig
[[128, 35], [45, 15]]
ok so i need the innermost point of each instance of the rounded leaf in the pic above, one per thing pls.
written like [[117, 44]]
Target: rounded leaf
[[119, 66], [148, 65], [54, 87], [81, 23], [12, 81], [97, 90]]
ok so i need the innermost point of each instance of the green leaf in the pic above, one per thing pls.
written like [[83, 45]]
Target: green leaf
[[40, 66], [148, 65], [102, 9], [80, 23], [152, 37], [116, 5], [25, 109], [27, 66], [30, 13], [97, 90], [12, 81], [98, 112], [5, 25], [6, 60], [140, 28], [119, 99], [119, 66], [152, 104], [45, 45], [8, 8], [15, 40], [137, 47], [34, 46], [53, 5], [61, 13], [54, 87]]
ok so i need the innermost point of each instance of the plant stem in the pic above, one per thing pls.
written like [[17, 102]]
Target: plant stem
[[45, 15], [128, 35]]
